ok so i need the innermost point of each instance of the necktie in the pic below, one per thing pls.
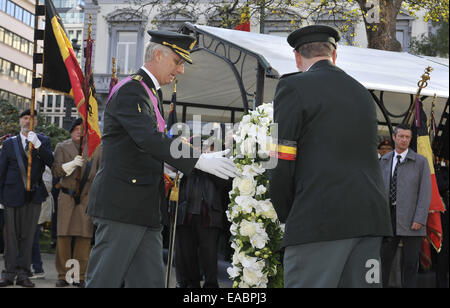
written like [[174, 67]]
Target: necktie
[[27, 143], [393, 188]]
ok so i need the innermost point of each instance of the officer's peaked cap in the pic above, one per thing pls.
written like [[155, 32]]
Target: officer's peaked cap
[[181, 44]]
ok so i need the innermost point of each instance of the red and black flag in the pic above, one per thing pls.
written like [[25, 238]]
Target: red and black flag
[[434, 227]]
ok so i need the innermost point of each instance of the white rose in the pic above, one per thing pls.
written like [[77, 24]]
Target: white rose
[[260, 190], [246, 203], [246, 119], [271, 214], [247, 186], [258, 241], [247, 228], [248, 147], [251, 277], [233, 271], [233, 229], [253, 131], [243, 285]]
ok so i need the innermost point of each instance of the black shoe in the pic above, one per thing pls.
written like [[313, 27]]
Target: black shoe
[[61, 284], [5, 282], [26, 283], [81, 284]]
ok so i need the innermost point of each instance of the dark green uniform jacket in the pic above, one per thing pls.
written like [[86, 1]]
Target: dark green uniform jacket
[[128, 186], [333, 189]]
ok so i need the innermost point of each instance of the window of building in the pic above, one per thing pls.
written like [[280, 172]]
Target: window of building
[[19, 13], [2, 34], [24, 45], [126, 52], [8, 38], [26, 17], [29, 77], [16, 41], [279, 24], [126, 44], [10, 8], [3, 5], [57, 121], [6, 66], [58, 101], [50, 101]]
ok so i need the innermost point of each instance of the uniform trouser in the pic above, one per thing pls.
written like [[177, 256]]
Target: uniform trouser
[[20, 226], [410, 258], [125, 254], [80, 253], [349, 263], [196, 248]]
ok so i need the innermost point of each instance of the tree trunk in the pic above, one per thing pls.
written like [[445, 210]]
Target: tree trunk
[[381, 29]]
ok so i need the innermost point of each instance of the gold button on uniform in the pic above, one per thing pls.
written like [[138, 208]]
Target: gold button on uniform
[[134, 181]]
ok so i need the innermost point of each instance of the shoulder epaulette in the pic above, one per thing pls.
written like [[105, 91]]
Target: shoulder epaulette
[[289, 75], [137, 77]]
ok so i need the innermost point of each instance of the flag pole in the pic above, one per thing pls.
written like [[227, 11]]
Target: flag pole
[[422, 84], [33, 100], [174, 198]]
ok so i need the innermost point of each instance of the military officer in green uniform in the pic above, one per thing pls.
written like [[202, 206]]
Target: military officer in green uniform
[[128, 189], [327, 186]]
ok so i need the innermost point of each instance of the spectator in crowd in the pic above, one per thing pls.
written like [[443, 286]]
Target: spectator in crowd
[[200, 223], [45, 215], [384, 147], [22, 208], [73, 223], [407, 180]]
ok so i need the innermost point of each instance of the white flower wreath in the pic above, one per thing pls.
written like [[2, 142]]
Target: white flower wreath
[[255, 229]]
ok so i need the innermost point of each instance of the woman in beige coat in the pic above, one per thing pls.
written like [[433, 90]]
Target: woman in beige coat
[[72, 222]]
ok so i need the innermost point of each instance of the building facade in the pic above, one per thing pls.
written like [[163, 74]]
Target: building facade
[[16, 52]]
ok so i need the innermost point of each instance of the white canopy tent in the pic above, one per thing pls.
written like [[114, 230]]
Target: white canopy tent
[[235, 69]]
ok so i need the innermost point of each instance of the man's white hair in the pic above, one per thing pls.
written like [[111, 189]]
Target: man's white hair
[[152, 47]]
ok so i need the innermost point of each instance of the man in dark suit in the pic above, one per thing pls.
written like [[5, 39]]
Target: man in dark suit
[[22, 209], [327, 186], [128, 190]]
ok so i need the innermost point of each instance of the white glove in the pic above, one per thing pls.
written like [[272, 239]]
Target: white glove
[[72, 165], [33, 138], [217, 165]]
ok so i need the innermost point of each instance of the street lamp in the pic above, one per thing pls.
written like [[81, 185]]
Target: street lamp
[[68, 102]]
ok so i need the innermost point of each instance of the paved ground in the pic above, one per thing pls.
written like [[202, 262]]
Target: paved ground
[[426, 280], [52, 276]]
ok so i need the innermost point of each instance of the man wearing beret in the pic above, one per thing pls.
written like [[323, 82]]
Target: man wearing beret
[[129, 189], [384, 147], [22, 208], [329, 189], [76, 175]]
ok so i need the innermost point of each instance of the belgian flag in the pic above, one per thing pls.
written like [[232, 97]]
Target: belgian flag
[[61, 70], [434, 226], [62, 74]]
